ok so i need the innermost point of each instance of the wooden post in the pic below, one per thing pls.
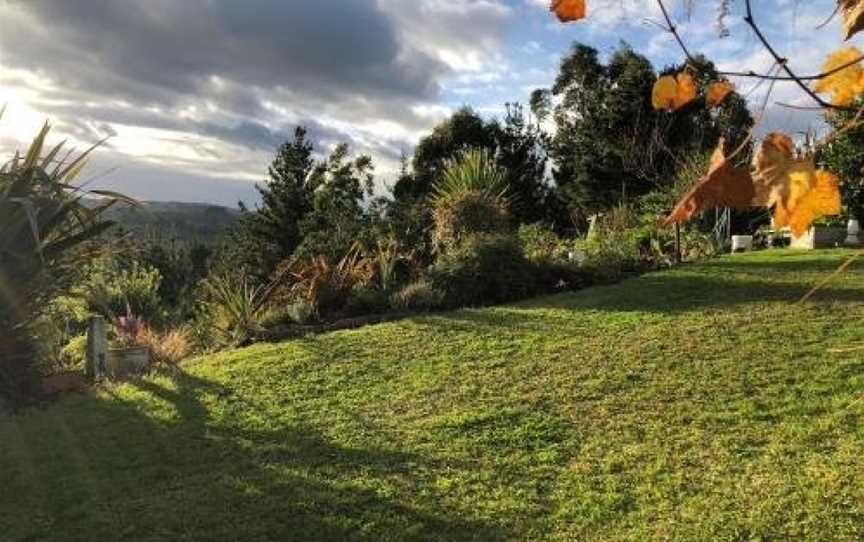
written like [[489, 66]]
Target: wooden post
[[97, 348]]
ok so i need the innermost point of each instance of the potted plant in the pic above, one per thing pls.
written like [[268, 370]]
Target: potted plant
[[128, 356]]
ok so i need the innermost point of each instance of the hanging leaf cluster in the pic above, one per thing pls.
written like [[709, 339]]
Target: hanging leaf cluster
[[799, 193]]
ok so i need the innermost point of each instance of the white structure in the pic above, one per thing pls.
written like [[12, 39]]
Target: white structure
[[742, 243], [853, 232]]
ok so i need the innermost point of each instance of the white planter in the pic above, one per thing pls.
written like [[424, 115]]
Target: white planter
[[853, 232], [820, 237], [742, 243]]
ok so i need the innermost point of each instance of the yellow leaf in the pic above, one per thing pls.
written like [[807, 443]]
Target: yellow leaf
[[823, 199], [569, 10], [723, 186], [718, 92], [673, 93], [853, 16], [798, 191], [847, 83]]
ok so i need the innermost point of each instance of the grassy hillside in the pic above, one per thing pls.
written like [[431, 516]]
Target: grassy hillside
[[696, 404]]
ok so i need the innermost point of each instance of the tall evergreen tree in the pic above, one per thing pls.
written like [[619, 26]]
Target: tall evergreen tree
[[286, 199]]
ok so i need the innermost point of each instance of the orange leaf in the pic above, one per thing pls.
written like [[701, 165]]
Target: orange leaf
[[847, 83], [569, 10], [823, 199], [798, 192], [673, 93], [853, 16], [773, 163], [724, 186], [718, 92]]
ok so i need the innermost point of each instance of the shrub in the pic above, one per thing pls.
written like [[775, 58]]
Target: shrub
[[467, 214], [170, 347], [557, 276], [484, 269], [418, 296], [74, 354], [234, 309], [301, 312], [43, 225], [322, 284], [469, 199], [111, 289], [539, 242], [366, 300]]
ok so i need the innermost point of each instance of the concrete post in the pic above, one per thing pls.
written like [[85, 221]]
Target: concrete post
[[97, 348]]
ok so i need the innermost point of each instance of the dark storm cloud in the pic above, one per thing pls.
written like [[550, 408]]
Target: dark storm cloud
[[229, 80], [160, 50]]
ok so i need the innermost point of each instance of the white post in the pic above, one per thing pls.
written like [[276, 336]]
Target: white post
[[97, 348]]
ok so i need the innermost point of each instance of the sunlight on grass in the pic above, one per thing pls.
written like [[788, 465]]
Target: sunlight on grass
[[696, 404]]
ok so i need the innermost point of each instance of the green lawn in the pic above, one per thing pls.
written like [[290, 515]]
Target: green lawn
[[695, 404]]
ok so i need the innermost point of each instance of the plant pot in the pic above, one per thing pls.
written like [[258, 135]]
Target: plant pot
[[820, 237], [742, 243], [125, 362], [853, 233]]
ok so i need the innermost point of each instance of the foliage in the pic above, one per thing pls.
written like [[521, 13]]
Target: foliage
[[301, 312], [321, 283], [74, 353], [43, 226], [469, 199], [274, 227], [465, 129], [112, 288], [337, 218], [128, 330], [484, 269], [365, 300], [539, 242], [611, 145], [170, 347], [234, 309], [843, 154], [419, 296]]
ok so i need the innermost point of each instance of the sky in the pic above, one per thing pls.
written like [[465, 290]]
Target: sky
[[196, 95]]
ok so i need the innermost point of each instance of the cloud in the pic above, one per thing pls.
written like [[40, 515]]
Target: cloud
[[203, 80]]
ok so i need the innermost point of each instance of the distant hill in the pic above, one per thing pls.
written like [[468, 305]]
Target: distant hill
[[198, 222]]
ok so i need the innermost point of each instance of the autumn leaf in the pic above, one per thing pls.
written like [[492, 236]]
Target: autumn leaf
[[853, 16], [723, 186], [798, 191], [569, 10], [673, 93], [847, 83], [718, 92], [823, 199], [772, 164]]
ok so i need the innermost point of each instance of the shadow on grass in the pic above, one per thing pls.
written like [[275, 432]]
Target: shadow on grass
[[661, 293], [167, 471]]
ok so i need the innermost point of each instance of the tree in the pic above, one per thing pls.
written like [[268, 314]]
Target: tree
[[463, 130], [611, 145], [286, 199], [337, 217], [843, 153], [521, 152]]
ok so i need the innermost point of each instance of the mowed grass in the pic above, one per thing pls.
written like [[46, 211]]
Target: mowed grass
[[694, 404]]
